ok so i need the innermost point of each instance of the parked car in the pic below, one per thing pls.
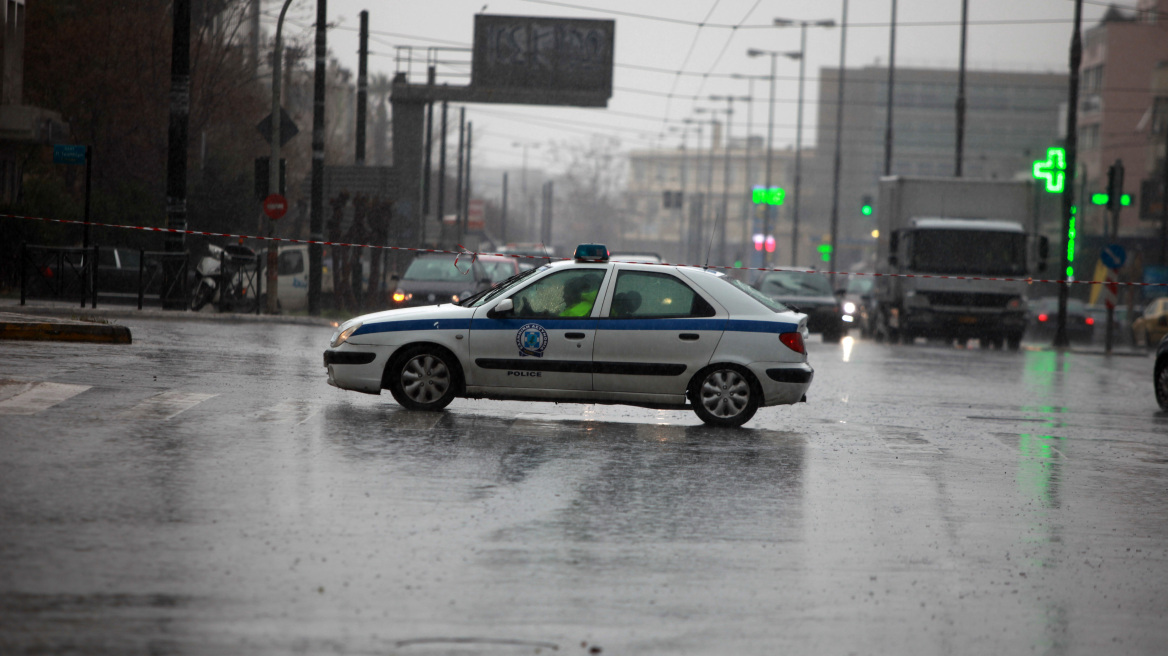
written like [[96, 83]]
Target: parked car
[[292, 276], [434, 278], [1160, 373], [1150, 327], [586, 330], [811, 294], [1042, 320]]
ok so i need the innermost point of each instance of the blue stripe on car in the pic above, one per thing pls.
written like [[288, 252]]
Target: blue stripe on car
[[733, 325]]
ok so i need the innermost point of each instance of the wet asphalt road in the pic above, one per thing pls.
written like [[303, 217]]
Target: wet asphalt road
[[204, 491]]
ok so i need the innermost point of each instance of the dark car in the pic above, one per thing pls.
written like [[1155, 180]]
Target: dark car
[[1043, 320], [1160, 373], [436, 278], [811, 294]]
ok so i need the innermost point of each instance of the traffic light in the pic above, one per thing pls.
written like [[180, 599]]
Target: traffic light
[[1114, 185], [866, 205], [824, 252]]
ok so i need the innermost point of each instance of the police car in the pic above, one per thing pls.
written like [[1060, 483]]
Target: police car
[[586, 330]]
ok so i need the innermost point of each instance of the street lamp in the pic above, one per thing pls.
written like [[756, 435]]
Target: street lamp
[[766, 223], [801, 55], [523, 181], [726, 175], [274, 163]]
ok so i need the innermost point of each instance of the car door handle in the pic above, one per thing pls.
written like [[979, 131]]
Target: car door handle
[[574, 335], [689, 337]]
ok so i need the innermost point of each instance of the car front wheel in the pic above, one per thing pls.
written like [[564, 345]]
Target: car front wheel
[[724, 395], [423, 378]]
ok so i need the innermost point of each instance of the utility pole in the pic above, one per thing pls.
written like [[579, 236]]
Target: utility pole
[[961, 92], [362, 87], [1072, 143], [839, 130], [316, 227], [176, 152]]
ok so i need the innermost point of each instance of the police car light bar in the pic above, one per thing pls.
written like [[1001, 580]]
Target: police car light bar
[[591, 253]]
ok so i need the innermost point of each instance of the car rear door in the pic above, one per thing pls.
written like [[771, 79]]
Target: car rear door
[[534, 345], [657, 330]]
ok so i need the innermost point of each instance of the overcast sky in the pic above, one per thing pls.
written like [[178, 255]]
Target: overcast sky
[[667, 64]]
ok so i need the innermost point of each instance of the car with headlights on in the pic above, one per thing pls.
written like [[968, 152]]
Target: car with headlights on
[[433, 278], [808, 292], [586, 330]]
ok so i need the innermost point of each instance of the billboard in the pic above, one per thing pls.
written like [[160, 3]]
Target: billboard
[[544, 54]]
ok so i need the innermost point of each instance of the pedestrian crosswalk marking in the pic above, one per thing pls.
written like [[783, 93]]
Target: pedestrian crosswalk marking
[[38, 397], [166, 405]]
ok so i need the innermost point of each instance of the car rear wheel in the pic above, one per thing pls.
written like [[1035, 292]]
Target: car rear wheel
[[725, 395], [423, 378]]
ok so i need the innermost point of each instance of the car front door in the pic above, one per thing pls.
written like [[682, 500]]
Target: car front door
[[657, 331], [545, 340]]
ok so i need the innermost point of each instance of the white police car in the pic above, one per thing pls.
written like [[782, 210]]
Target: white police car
[[589, 331]]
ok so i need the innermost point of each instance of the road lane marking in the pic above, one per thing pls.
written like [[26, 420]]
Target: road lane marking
[[39, 397], [166, 406]]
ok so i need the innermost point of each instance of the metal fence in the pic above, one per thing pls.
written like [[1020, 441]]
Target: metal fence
[[106, 273]]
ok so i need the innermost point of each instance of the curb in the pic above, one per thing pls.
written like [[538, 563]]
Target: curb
[[72, 311], [21, 327]]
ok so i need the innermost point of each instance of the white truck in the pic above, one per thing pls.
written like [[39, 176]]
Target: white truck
[[934, 230]]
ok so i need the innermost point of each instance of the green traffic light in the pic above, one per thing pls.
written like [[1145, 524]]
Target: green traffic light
[[866, 210]]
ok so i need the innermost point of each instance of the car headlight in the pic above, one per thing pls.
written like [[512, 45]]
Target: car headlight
[[345, 334], [401, 297], [849, 307]]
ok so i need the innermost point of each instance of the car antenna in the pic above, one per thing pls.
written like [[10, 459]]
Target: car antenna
[[711, 246], [547, 256]]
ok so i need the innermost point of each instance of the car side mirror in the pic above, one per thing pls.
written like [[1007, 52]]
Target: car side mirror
[[504, 306]]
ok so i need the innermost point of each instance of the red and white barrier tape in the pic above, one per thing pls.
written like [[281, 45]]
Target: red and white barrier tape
[[474, 255]]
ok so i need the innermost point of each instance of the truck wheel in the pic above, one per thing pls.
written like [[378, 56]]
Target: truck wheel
[[1014, 342], [725, 395]]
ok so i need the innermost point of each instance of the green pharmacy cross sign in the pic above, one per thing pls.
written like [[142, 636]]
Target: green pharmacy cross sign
[[772, 196], [1053, 169]]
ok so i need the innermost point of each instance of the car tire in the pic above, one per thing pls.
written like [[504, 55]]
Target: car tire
[[423, 378], [725, 395], [1160, 379]]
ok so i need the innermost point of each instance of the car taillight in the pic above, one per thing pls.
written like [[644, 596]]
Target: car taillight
[[793, 341], [1042, 317], [1090, 321]]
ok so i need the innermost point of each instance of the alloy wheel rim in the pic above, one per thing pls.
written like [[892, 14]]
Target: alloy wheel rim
[[425, 378], [724, 393]]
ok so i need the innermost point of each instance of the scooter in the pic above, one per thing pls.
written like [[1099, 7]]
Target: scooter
[[222, 277]]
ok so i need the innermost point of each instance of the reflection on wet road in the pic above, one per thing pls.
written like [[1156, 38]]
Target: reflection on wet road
[[190, 495]]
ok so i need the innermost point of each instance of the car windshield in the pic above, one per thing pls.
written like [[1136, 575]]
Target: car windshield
[[492, 293], [860, 285], [498, 270], [770, 303], [795, 283], [434, 269]]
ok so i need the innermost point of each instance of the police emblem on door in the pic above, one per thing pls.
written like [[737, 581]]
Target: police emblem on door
[[531, 339]]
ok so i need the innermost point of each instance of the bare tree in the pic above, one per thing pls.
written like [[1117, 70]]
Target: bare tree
[[588, 193]]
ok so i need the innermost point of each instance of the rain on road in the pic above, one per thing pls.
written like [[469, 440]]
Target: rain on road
[[203, 490]]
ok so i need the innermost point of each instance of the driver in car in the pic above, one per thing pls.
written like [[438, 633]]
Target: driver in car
[[579, 295]]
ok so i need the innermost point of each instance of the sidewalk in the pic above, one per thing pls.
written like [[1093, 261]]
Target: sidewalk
[[48, 320]]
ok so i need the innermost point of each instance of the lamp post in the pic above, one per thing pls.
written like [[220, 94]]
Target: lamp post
[[748, 179], [523, 181], [274, 163], [770, 146], [726, 175], [801, 55], [839, 130], [709, 180]]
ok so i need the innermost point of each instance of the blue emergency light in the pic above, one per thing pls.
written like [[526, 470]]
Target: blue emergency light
[[591, 253]]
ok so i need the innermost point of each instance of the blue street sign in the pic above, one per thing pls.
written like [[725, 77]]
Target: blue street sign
[[68, 154], [1113, 256]]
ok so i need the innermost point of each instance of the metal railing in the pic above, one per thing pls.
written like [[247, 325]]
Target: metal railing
[[72, 273]]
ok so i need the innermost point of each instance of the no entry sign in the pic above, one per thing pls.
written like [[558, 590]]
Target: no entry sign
[[275, 206]]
